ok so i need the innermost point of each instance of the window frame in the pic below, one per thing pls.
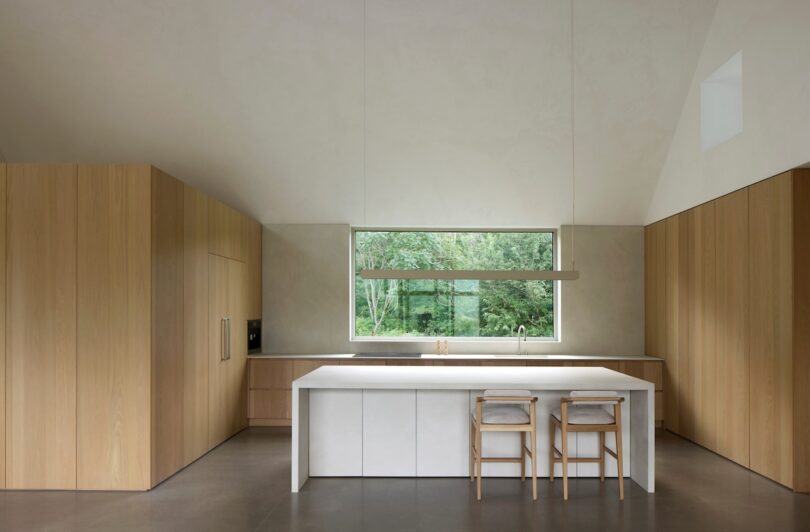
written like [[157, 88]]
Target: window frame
[[555, 259]]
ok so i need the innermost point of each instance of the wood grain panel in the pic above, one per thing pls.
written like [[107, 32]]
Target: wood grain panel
[[654, 373], [237, 365], [195, 324], [363, 363], [702, 350], [677, 315], [632, 368], [228, 233], [167, 326], [41, 327], [771, 328], [217, 371], [408, 362], [113, 327], [732, 327], [271, 374], [302, 367], [270, 404], [254, 262], [2, 326], [801, 330]]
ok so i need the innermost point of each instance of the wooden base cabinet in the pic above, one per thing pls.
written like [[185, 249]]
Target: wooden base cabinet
[[104, 370], [737, 325]]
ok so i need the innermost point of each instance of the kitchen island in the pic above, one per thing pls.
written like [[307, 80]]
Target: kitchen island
[[413, 421]]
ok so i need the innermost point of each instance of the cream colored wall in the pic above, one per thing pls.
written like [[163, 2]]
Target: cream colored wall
[[774, 41], [306, 294]]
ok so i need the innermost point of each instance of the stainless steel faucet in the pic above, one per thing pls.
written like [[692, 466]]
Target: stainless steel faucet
[[522, 338]]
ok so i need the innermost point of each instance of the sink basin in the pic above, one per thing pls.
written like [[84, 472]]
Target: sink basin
[[388, 355]]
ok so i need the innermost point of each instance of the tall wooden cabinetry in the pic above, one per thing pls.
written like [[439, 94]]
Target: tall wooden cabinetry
[[105, 360], [731, 321]]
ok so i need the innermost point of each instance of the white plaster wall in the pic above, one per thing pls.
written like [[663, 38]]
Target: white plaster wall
[[307, 300], [775, 40]]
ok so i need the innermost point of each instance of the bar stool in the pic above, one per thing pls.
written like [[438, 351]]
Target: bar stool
[[584, 412], [505, 413]]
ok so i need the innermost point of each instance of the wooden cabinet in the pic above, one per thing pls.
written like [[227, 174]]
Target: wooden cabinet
[[195, 324], [41, 327], [254, 265], [227, 331], [104, 372], [771, 333], [228, 231], [732, 385], [2, 326], [113, 322], [676, 370], [702, 351], [737, 328]]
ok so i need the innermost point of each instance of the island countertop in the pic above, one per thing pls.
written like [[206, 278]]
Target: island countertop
[[456, 357], [470, 378]]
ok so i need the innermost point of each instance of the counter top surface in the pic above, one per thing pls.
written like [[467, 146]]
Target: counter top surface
[[432, 356], [470, 378]]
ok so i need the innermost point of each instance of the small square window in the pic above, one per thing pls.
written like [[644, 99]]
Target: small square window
[[721, 110]]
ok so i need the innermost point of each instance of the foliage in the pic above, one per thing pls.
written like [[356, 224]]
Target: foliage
[[453, 308]]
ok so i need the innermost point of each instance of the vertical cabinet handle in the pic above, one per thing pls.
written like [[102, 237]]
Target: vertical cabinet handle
[[223, 340], [228, 345]]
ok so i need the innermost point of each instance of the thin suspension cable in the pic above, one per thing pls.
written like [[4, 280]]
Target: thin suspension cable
[[365, 83], [573, 149]]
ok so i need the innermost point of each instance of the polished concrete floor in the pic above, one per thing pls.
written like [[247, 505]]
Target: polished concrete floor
[[243, 485]]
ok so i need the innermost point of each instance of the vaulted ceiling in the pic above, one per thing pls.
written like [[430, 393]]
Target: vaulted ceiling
[[262, 103]]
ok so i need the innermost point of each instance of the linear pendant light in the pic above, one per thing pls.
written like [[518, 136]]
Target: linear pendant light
[[481, 275]]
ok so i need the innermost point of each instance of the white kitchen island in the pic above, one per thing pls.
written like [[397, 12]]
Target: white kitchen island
[[414, 421]]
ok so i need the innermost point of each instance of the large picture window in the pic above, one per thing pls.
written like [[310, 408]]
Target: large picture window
[[452, 308]]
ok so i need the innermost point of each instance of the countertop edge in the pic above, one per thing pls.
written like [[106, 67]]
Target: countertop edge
[[452, 357]]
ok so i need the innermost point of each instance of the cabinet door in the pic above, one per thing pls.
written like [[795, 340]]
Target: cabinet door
[[41, 327], [771, 328], [702, 326], [228, 232], [676, 370], [195, 320], [217, 370], [2, 326], [113, 320], [732, 327], [254, 264], [237, 364]]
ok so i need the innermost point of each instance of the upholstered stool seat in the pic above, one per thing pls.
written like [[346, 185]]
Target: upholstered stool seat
[[505, 414], [584, 415]]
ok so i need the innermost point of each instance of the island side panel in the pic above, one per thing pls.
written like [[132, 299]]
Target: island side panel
[[300, 438], [642, 446]]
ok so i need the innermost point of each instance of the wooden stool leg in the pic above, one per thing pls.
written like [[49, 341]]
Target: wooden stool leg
[[522, 456], [552, 430], [601, 456], [565, 459], [617, 412], [479, 451], [533, 445], [472, 448]]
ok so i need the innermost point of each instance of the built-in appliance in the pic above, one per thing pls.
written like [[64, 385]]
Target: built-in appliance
[[254, 336]]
